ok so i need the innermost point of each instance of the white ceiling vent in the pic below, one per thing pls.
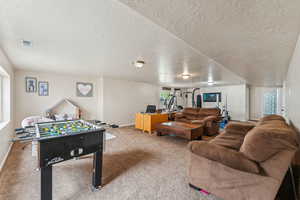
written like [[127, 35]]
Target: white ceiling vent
[[26, 43]]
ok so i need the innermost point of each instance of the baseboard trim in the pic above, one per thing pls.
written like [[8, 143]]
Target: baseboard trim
[[125, 125], [5, 157]]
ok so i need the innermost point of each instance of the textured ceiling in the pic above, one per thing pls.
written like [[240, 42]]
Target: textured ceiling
[[227, 41], [253, 38], [101, 38]]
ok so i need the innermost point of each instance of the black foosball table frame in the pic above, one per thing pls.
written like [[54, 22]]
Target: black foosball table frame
[[56, 150], [53, 150]]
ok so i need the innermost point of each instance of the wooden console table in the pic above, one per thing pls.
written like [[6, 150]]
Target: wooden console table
[[147, 121]]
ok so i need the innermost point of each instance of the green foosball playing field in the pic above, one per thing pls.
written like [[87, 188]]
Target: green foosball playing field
[[63, 128]]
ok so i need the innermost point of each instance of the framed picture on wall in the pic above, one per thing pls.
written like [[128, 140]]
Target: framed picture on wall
[[43, 88], [30, 83], [84, 89]]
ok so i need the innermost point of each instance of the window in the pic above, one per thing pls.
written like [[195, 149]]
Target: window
[[5, 91], [270, 102], [164, 95], [1, 98]]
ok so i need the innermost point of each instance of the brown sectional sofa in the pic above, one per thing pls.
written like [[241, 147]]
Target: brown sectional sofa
[[246, 161], [209, 117]]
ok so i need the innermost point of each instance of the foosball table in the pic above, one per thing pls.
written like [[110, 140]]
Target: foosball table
[[64, 140]]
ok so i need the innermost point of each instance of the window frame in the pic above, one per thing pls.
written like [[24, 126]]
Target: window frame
[[5, 97], [1, 97]]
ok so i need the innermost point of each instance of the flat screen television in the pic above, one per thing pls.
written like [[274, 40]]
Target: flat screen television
[[211, 97]]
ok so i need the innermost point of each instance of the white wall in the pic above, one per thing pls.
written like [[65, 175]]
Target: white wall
[[257, 100], [60, 86], [237, 102], [114, 101], [6, 128], [121, 99], [292, 86]]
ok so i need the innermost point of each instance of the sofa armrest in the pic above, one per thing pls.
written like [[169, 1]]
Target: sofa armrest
[[225, 156], [240, 128], [179, 115], [197, 121], [211, 118]]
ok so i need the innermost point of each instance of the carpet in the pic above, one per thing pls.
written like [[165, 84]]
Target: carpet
[[136, 166], [109, 136]]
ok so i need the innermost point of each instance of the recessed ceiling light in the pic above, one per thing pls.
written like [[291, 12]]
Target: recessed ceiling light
[[139, 63], [186, 76], [210, 83], [26, 43]]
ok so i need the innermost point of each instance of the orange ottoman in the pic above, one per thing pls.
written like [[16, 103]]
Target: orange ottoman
[[181, 129]]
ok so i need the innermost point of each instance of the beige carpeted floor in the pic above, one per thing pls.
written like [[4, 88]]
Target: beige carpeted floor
[[136, 166]]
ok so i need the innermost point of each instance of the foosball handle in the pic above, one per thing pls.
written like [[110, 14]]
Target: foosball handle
[[114, 126], [19, 131]]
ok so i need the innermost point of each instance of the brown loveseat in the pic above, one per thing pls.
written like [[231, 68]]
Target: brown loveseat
[[209, 117], [246, 161]]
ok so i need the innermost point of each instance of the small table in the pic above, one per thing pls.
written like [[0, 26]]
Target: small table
[[181, 129], [148, 121]]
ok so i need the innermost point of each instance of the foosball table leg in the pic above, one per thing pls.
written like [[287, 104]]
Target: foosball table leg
[[97, 170], [46, 183]]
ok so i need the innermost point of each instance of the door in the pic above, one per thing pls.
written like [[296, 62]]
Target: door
[[270, 105]]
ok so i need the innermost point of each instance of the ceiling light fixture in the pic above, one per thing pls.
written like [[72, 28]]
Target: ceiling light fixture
[[26, 43], [210, 83], [139, 64], [186, 76]]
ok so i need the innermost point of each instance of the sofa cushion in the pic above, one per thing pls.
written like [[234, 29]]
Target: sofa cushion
[[183, 120], [272, 123], [233, 136], [228, 157], [209, 111], [272, 119], [264, 141], [179, 115], [211, 118], [191, 116], [192, 111], [197, 121]]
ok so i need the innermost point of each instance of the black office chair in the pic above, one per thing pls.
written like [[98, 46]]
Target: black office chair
[[151, 109]]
